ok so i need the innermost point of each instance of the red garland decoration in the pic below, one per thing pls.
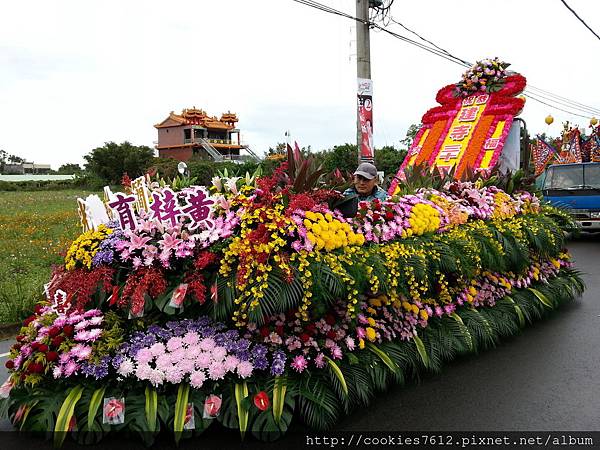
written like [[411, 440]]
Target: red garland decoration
[[146, 280], [81, 284]]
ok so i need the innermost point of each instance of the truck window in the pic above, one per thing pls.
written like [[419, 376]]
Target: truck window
[[592, 175], [565, 177]]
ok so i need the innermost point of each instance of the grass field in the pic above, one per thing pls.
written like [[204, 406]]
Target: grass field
[[35, 227]]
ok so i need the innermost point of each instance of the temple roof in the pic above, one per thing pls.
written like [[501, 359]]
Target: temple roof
[[194, 116]]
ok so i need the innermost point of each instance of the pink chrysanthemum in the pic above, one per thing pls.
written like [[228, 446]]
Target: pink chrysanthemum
[[299, 363], [197, 379], [244, 369]]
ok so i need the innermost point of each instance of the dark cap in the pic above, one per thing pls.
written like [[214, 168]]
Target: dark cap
[[367, 170]]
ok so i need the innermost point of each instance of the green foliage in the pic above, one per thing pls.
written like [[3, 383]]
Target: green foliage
[[412, 131], [112, 160], [65, 414], [69, 169], [343, 157], [388, 159]]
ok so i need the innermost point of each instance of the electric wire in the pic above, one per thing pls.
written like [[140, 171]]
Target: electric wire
[[580, 19], [438, 51]]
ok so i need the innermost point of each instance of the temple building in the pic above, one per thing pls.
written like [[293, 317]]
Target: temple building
[[195, 134]]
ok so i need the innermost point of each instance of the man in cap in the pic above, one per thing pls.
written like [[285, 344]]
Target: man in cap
[[365, 184]]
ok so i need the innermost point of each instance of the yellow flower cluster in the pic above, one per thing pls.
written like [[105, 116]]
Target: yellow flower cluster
[[84, 248], [306, 281], [504, 206], [423, 219], [328, 233]]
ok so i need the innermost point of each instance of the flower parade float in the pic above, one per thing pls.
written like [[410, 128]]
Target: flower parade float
[[255, 302]]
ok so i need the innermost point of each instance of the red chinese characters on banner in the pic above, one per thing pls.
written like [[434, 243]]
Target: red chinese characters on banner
[[482, 99], [460, 132], [450, 152], [468, 114], [491, 143]]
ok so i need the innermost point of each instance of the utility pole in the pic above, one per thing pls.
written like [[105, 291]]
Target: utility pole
[[363, 63]]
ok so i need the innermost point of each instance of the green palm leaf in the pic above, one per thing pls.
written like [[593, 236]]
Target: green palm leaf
[[180, 410], [422, 351], [65, 414], [151, 407], [278, 398], [464, 330], [542, 298], [241, 392], [383, 356], [338, 373], [95, 401], [518, 310]]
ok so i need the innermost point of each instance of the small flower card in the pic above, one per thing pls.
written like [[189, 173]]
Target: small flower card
[[113, 412], [212, 406]]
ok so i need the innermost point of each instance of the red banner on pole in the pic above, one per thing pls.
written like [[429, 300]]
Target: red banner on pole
[[365, 118]]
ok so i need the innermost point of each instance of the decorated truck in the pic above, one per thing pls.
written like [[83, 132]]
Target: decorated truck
[[254, 302]]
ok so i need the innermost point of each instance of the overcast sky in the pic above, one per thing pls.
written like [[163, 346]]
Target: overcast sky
[[76, 74]]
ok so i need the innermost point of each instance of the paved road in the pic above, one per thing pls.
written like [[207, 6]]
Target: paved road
[[546, 379]]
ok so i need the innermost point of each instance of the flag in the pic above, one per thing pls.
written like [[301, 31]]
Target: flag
[[594, 144], [571, 149], [542, 154]]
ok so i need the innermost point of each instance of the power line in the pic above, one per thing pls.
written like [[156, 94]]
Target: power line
[[565, 104], [529, 95], [561, 98], [580, 19], [466, 63], [438, 51]]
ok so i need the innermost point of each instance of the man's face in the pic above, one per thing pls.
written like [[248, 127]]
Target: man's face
[[364, 186]]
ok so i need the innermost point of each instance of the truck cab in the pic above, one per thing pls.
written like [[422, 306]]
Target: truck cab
[[575, 187]]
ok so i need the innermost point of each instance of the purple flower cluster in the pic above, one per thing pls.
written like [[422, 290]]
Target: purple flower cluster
[[194, 349], [106, 253]]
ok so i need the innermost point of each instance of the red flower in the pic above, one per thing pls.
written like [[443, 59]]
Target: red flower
[[36, 367], [54, 331], [10, 364], [329, 319], [279, 330], [35, 345], [389, 215], [37, 309], [113, 408], [376, 217], [331, 334], [204, 259], [261, 401], [304, 338], [68, 330], [51, 356], [43, 348], [264, 331], [57, 341], [20, 338], [28, 320], [310, 328]]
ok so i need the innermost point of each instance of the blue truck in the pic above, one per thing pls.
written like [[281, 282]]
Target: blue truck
[[575, 187]]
